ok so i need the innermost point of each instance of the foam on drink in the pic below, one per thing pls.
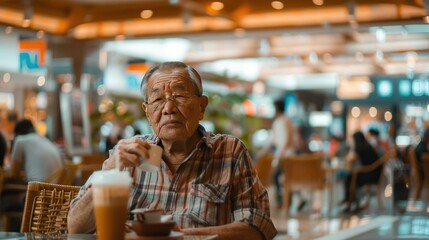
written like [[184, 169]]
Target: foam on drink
[[110, 197]]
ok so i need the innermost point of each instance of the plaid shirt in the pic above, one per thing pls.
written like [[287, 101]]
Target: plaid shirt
[[215, 185]]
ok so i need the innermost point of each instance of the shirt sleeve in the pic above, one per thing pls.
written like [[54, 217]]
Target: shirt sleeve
[[250, 198]]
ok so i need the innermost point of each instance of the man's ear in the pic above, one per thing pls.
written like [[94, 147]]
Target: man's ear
[[144, 107], [203, 104]]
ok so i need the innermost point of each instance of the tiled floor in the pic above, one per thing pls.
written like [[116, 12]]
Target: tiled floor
[[312, 224]]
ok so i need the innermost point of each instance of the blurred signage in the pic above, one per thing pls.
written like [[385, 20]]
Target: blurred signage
[[32, 55], [134, 75]]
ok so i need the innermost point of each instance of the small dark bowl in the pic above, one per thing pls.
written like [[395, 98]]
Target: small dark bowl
[[152, 229]]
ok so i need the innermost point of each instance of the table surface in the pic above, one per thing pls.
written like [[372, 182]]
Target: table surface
[[24, 236]]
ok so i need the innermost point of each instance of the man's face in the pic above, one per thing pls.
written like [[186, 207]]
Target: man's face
[[177, 118]]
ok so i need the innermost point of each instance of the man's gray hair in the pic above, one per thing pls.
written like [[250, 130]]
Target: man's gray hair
[[168, 66]]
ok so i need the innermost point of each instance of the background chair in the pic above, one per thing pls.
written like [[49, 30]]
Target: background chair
[[367, 187], [302, 172], [46, 207], [69, 173], [264, 169], [425, 181], [6, 216]]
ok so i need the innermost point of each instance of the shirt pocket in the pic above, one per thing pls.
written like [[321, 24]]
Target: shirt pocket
[[207, 199]]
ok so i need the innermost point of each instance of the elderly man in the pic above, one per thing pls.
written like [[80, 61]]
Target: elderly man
[[206, 181]]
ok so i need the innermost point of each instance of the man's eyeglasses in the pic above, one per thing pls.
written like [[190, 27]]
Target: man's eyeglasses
[[158, 103]]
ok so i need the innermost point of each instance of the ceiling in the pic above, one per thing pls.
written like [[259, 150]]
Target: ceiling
[[292, 42], [84, 19]]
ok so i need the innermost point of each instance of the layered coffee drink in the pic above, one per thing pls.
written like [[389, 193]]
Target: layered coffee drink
[[110, 196]]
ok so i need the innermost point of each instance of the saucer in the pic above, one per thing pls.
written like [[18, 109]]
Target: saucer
[[173, 235]]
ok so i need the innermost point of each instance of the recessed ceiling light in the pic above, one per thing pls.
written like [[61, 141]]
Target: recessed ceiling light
[[217, 6], [318, 2], [26, 23], [145, 14], [8, 30], [277, 5], [40, 34], [120, 37]]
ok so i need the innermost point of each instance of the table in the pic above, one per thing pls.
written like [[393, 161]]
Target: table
[[25, 236]]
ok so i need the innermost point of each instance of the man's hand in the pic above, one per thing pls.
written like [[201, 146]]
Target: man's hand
[[129, 152]]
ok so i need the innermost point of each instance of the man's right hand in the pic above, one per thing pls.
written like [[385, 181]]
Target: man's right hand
[[129, 152]]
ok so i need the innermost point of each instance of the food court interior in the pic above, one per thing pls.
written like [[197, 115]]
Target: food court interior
[[74, 67]]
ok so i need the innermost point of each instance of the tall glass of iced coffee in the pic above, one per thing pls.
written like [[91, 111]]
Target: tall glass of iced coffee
[[110, 195]]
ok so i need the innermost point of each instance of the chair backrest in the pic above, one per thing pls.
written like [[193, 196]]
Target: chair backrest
[[1, 179], [304, 171], [69, 173], [46, 207], [425, 166], [264, 169]]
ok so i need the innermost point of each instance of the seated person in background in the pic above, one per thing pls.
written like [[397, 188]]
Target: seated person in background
[[361, 153], [37, 156], [381, 146], [32, 154], [206, 181], [422, 148], [3, 149]]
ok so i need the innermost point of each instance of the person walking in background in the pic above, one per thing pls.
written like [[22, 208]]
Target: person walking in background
[[33, 154], [282, 140], [361, 154], [206, 181]]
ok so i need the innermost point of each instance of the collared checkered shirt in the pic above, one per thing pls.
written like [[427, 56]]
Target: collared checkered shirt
[[215, 185]]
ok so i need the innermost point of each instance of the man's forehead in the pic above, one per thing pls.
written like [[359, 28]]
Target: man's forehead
[[173, 78]]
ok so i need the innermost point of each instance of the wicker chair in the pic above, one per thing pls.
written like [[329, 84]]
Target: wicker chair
[[46, 207]]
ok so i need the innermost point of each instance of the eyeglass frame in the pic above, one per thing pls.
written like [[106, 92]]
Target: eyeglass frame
[[173, 99]]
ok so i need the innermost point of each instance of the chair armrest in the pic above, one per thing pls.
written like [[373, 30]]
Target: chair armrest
[[374, 165]]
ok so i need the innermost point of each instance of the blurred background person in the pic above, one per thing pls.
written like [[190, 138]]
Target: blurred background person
[[282, 142], [3, 149], [32, 154], [8, 120], [381, 145], [421, 148], [361, 153]]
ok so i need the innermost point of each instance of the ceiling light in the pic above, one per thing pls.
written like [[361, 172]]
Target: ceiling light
[[120, 37], [426, 19], [41, 81], [217, 6], [145, 14], [26, 23], [380, 35], [6, 77], [355, 112], [387, 116], [239, 32], [372, 112], [313, 58], [318, 2], [277, 5], [40, 34], [8, 30]]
